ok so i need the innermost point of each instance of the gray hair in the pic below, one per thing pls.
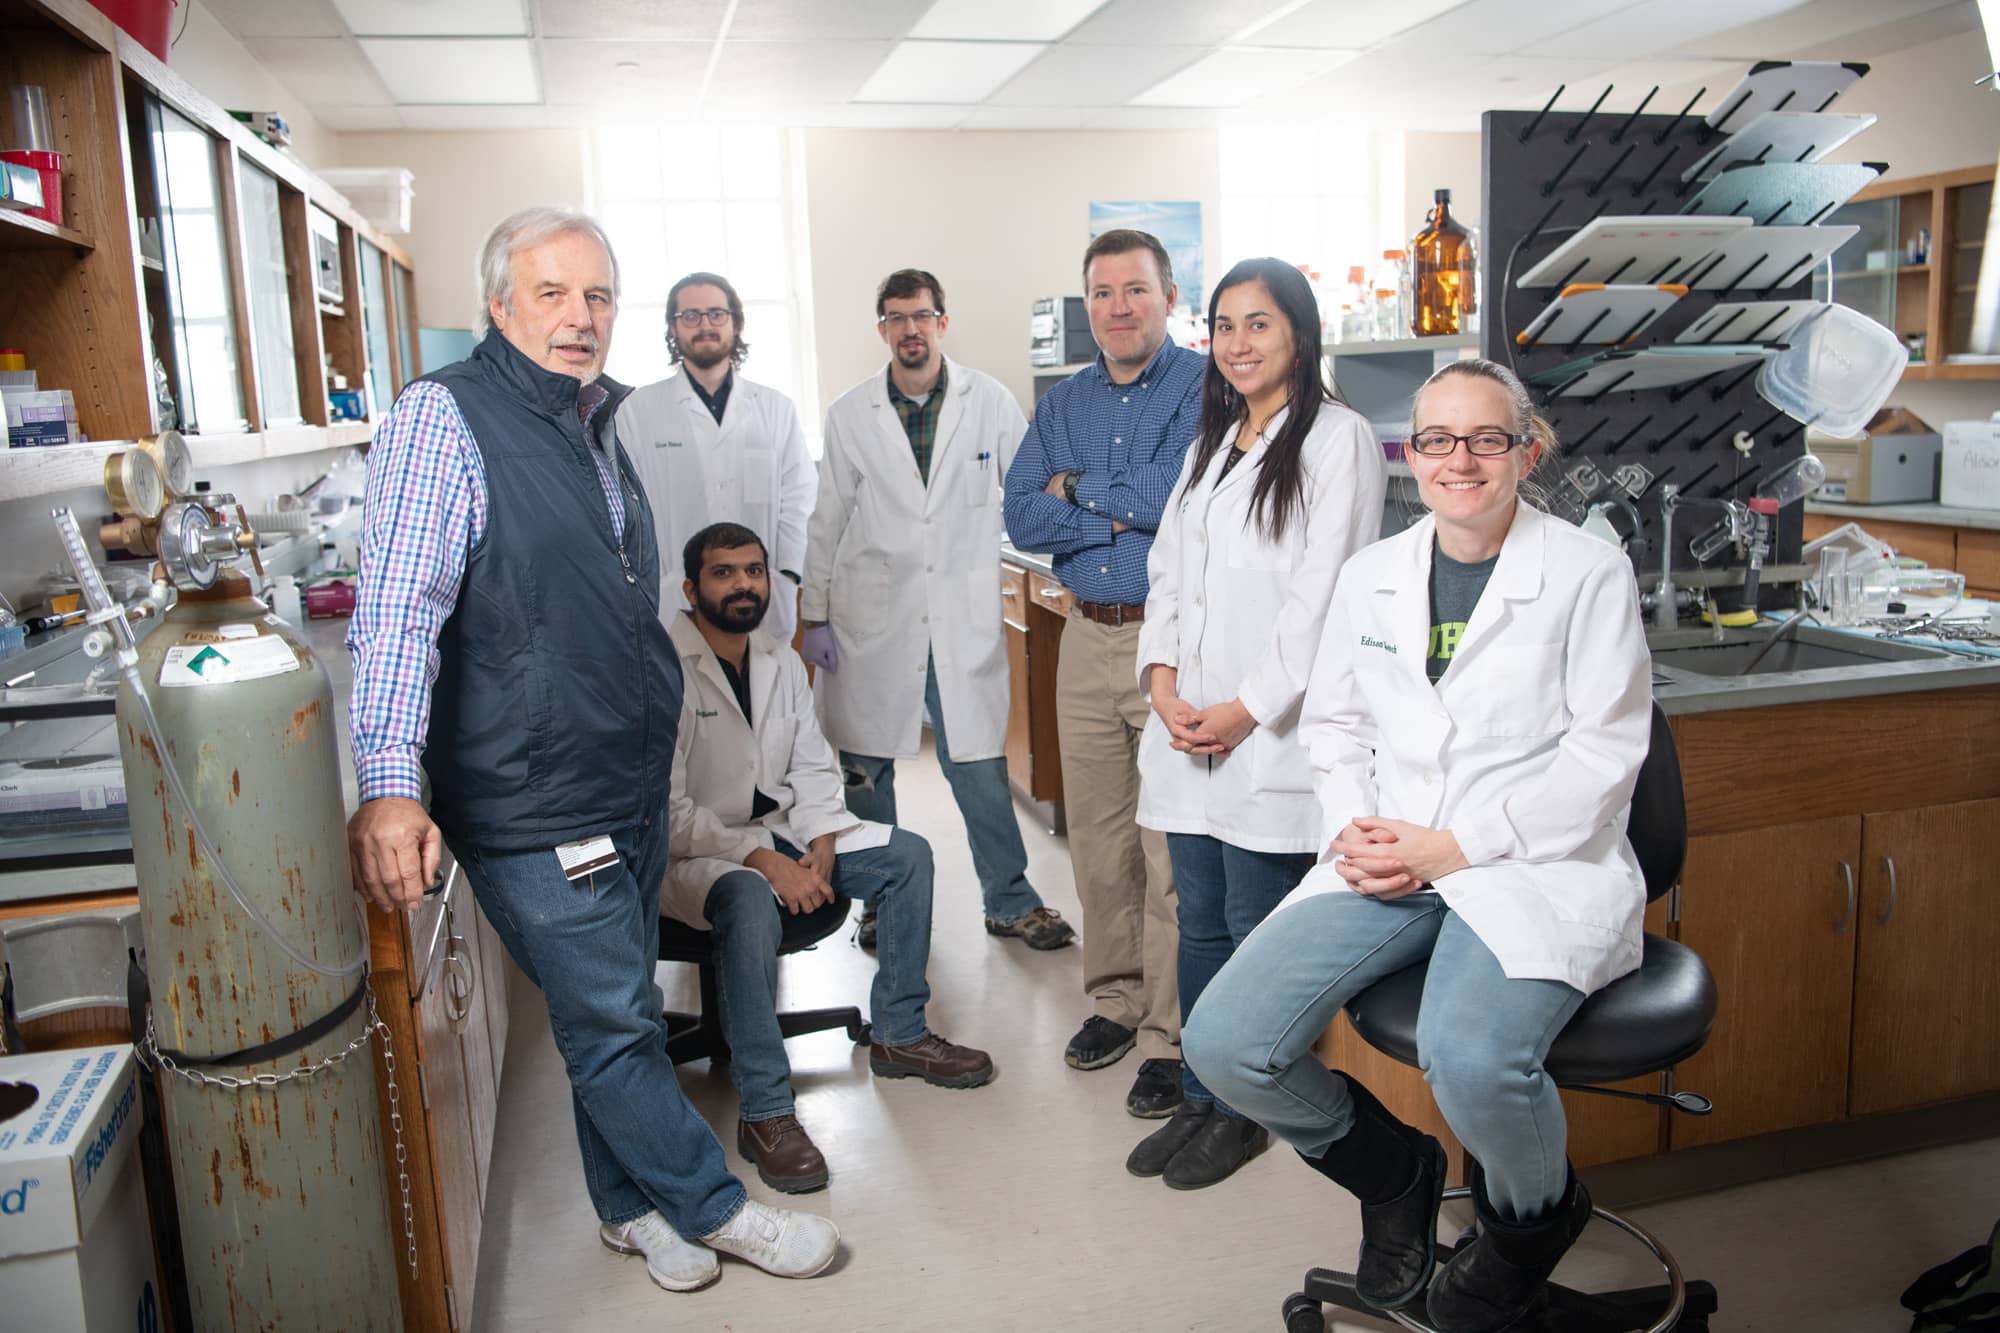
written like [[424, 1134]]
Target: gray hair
[[524, 231]]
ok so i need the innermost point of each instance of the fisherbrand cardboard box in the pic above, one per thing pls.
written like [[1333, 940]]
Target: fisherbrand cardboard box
[[75, 1248]]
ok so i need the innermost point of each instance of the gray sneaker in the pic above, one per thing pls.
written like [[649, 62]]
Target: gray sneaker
[[780, 1241], [672, 1261], [1042, 928]]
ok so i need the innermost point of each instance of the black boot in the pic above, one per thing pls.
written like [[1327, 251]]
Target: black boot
[[1398, 1174], [1502, 1277]]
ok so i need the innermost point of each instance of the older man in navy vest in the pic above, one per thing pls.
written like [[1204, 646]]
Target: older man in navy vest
[[507, 643]]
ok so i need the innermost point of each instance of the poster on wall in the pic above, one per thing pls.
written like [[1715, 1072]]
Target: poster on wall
[[1178, 227]]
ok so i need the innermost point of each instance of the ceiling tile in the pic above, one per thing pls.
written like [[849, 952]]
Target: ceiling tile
[[817, 20], [434, 18], [754, 75], [1154, 118], [587, 73], [261, 18], [1842, 30], [1017, 21], [1495, 27], [1236, 75], [1073, 75], [631, 20], [353, 119], [1350, 24], [884, 115], [1189, 22], [474, 117], [317, 70], [1640, 30], [945, 72], [450, 71]]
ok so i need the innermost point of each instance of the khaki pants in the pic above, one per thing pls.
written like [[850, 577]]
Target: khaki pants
[[1123, 878]]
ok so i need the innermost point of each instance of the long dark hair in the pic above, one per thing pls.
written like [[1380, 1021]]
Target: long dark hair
[[1280, 489]]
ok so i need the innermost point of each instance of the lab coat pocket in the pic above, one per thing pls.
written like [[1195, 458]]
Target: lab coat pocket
[[860, 598], [1514, 689], [760, 467], [775, 734], [981, 483], [1278, 762]]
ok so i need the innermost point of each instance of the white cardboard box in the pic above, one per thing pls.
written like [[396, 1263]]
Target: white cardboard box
[[1969, 473], [76, 1250]]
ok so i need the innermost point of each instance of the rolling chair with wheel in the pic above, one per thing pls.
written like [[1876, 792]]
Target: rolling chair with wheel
[[1643, 1023], [694, 1036]]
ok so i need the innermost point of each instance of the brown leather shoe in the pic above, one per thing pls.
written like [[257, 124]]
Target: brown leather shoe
[[784, 1153], [934, 1060]]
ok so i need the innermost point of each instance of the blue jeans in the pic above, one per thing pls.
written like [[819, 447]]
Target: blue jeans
[[980, 788], [1224, 892], [591, 945], [746, 918], [1481, 1036]]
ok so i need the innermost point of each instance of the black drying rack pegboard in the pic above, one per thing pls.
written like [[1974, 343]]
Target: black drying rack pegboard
[[1546, 174]]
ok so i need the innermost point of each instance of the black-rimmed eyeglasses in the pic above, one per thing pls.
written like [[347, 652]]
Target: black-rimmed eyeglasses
[[716, 316], [1485, 443], [920, 319]]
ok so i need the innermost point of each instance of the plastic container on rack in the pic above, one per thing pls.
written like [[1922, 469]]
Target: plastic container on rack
[[1840, 368], [149, 21]]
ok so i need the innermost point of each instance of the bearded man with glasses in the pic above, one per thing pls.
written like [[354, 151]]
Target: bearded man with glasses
[[713, 447]]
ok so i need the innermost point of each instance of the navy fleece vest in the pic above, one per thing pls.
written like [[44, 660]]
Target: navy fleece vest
[[558, 690]]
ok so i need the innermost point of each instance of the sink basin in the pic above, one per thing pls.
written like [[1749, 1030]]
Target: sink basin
[[1803, 649]]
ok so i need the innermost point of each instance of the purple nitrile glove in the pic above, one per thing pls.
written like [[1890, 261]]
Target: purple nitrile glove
[[817, 648]]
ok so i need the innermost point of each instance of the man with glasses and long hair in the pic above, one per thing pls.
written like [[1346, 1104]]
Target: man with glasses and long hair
[[902, 592], [713, 447]]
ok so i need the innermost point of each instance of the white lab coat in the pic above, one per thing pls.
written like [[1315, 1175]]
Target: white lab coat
[[721, 762], [752, 468], [1527, 749], [897, 568], [1239, 616]]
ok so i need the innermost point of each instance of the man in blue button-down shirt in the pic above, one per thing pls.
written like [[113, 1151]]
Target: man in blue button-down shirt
[[1087, 486]]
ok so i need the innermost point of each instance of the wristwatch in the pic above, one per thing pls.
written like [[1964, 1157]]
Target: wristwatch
[[1069, 485]]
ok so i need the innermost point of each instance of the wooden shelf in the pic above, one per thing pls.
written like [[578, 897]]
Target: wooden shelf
[[18, 231], [1883, 272], [66, 467]]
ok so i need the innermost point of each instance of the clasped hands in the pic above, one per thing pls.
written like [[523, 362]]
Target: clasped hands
[[1217, 729], [803, 884], [1387, 858]]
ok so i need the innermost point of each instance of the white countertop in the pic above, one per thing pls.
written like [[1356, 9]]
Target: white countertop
[[1941, 515]]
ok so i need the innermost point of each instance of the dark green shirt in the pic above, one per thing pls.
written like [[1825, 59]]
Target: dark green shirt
[[1455, 590], [920, 420]]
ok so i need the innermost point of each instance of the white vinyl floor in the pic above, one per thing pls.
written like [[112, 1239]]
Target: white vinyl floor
[[1008, 1207]]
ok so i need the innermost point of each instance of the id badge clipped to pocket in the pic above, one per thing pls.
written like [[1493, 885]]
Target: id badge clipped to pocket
[[585, 857]]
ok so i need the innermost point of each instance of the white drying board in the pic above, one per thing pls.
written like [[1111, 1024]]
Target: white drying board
[[1591, 313], [1747, 321], [1797, 194], [1784, 85], [1645, 249], [1764, 257], [1781, 136], [1633, 372]]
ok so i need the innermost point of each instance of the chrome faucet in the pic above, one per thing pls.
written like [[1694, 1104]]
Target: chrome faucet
[[1740, 527]]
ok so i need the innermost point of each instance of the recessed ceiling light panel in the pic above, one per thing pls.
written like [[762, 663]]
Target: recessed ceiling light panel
[[435, 18], [1239, 74], [958, 73], [452, 72], [1019, 20]]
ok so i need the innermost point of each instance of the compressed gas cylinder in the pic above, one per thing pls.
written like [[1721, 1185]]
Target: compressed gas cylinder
[[279, 1187]]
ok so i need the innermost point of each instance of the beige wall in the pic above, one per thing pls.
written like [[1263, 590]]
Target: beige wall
[[1001, 217], [465, 182], [208, 56], [1435, 161]]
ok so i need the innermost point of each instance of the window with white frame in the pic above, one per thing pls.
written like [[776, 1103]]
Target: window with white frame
[[1313, 196], [680, 199]]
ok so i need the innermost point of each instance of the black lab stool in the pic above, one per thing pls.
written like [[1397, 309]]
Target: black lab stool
[[693, 1036], [1643, 1023]]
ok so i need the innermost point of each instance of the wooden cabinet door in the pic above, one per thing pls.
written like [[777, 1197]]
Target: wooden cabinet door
[[454, 1157], [1926, 989], [1772, 912], [1020, 731]]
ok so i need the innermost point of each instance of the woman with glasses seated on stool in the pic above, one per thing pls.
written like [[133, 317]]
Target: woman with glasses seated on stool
[[1476, 718]]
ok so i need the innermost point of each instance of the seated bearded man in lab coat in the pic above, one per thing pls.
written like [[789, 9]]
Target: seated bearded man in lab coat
[[758, 826]]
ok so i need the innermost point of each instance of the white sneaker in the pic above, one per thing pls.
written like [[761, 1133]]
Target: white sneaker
[[778, 1240], [672, 1261]]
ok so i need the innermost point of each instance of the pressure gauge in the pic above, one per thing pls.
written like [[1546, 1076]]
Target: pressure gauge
[[132, 480], [170, 450]]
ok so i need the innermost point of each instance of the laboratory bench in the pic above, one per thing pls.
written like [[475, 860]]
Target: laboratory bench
[[1943, 537], [1841, 802]]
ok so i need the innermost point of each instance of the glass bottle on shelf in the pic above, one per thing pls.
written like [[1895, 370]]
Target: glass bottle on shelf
[[1356, 324], [1444, 269]]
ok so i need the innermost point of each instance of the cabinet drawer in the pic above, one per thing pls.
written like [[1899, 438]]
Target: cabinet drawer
[[1979, 557], [1014, 596], [1047, 593]]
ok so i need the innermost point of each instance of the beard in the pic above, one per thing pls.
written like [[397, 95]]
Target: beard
[[913, 359], [707, 355], [738, 613]]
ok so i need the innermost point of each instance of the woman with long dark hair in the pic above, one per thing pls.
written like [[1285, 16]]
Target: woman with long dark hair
[[1284, 482]]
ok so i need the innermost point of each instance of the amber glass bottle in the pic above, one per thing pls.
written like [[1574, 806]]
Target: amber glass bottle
[[1443, 275]]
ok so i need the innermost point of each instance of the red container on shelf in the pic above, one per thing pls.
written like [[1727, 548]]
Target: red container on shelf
[[49, 167], [149, 21]]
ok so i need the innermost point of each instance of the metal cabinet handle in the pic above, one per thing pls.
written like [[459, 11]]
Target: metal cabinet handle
[[1888, 908], [1052, 590], [1847, 917], [460, 981]]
